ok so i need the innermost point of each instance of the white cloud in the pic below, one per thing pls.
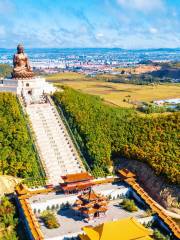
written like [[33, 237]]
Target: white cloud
[[142, 5], [153, 30], [99, 35]]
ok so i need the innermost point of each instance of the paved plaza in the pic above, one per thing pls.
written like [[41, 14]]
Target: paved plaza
[[71, 223]]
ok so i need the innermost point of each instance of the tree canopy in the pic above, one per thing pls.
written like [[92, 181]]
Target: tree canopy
[[18, 157], [5, 70], [104, 132], [8, 220]]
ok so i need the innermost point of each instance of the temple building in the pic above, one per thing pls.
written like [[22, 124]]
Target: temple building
[[125, 229], [91, 205], [76, 182]]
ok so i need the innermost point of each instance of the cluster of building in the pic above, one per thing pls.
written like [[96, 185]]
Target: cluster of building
[[174, 101], [90, 61], [91, 213]]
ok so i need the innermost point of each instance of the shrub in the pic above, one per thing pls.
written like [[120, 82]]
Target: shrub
[[129, 205], [62, 206], [159, 236], [109, 197], [149, 212], [152, 108], [53, 207], [49, 219], [67, 205], [148, 225]]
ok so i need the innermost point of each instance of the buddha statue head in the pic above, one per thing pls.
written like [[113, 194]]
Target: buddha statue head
[[20, 48]]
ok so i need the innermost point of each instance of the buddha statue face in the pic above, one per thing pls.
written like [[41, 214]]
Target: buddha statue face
[[20, 49]]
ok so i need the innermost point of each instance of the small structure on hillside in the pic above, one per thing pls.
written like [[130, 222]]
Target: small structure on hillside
[[76, 182], [91, 205], [127, 229], [21, 189], [126, 174]]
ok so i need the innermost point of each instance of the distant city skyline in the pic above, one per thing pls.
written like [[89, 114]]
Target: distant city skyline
[[127, 24]]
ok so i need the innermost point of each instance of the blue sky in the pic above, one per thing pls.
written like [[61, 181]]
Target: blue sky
[[126, 24]]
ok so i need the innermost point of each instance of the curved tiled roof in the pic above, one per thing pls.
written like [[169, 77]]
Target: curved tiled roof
[[126, 229]]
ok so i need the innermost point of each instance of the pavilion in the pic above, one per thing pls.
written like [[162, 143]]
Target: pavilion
[[91, 205], [125, 229]]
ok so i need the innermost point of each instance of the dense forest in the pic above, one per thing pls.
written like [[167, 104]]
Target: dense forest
[[18, 157], [105, 133]]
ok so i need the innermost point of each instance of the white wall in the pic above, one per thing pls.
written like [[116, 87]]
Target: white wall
[[43, 205], [72, 198], [115, 192]]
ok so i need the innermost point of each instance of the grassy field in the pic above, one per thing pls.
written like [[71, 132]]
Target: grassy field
[[65, 76], [117, 93]]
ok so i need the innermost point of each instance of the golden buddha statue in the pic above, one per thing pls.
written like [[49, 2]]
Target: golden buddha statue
[[21, 65]]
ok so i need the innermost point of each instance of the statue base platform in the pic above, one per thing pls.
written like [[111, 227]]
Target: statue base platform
[[31, 89]]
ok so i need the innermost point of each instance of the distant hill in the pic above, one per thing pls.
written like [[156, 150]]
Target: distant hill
[[146, 62], [167, 72]]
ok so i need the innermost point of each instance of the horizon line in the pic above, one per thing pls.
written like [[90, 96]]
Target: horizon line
[[119, 48]]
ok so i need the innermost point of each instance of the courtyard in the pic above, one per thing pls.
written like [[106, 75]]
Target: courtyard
[[71, 224]]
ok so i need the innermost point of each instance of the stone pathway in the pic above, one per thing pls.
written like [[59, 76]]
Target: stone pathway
[[56, 150]]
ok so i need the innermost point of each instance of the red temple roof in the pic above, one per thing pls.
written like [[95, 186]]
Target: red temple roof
[[78, 186], [77, 177], [91, 203], [90, 196]]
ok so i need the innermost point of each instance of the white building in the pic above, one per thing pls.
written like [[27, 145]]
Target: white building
[[31, 89]]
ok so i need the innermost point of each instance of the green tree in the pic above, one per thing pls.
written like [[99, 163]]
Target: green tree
[[5, 70], [105, 133], [8, 221], [18, 157], [129, 205], [49, 219]]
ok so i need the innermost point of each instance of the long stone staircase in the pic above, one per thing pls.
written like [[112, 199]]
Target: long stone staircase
[[56, 149]]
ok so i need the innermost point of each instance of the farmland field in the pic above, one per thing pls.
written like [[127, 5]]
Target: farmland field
[[65, 75], [119, 94]]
